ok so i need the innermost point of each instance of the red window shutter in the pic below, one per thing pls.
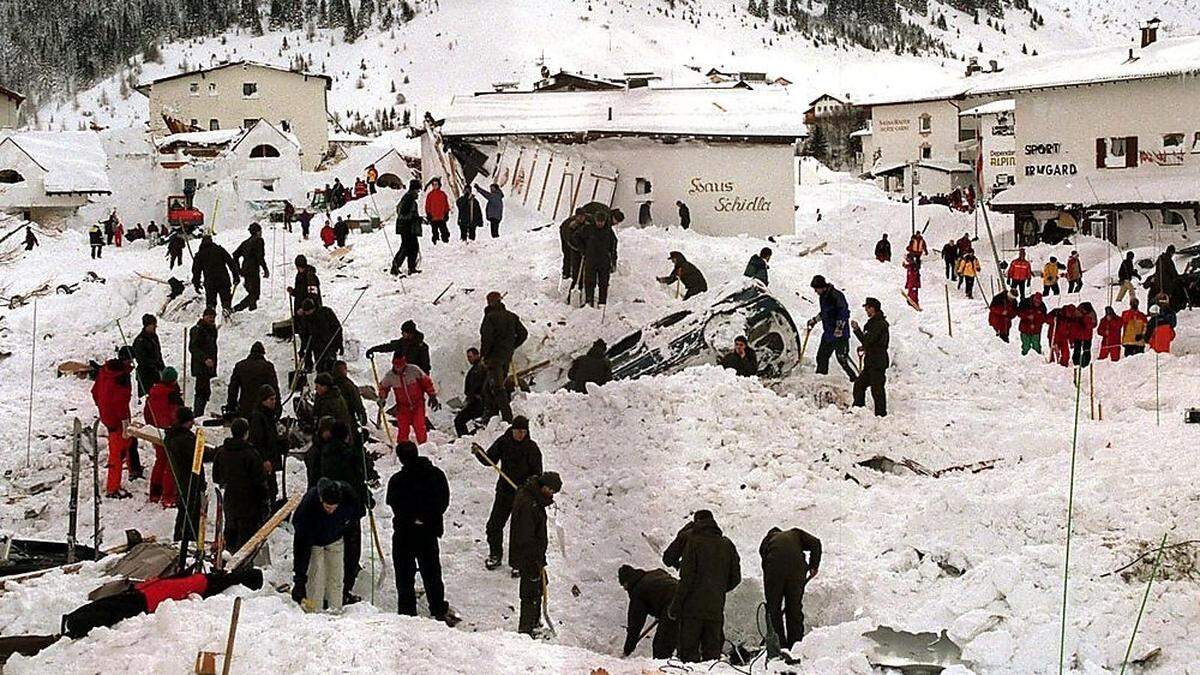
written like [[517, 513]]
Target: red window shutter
[[1131, 152], [1101, 152]]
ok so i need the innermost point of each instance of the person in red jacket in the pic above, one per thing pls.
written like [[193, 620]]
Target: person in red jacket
[[111, 393], [1032, 314], [1081, 346], [1019, 273], [162, 402], [1066, 325], [1001, 311], [328, 236], [437, 210], [1110, 335], [912, 278], [410, 385]]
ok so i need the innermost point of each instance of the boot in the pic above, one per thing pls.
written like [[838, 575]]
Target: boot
[[492, 562]]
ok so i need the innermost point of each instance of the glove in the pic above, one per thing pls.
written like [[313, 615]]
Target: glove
[[266, 274], [298, 592], [197, 287], [812, 322], [434, 403]]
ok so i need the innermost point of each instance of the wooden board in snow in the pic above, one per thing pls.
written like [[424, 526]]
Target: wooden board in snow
[[910, 302], [339, 253]]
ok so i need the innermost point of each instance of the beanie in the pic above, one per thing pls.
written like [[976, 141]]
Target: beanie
[[521, 422], [258, 349], [149, 320], [552, 480], [125, 353], [818, 281], [169, 374], [239, 427]]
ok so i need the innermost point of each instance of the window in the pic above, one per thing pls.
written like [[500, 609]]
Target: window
[[641, 186], [1117, 152], [212, 88], [925, 124], [249, 90], [10, 176], [926, 151], [1196, 144], [1172, 218], [195, 123], [285, 125], [1173, 142], [263, 151], [213, 124], [194, 89], [249, 122]]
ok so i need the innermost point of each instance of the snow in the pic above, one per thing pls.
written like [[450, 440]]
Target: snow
[[1112, 190], [75, 161], [695, 111], [640, 456], [202, 138], [993, 108]]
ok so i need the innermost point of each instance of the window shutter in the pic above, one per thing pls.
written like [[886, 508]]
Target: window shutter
[[1131, 152], [1101, 152]]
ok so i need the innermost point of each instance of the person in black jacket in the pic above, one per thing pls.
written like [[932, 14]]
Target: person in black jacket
[[759, 266], [527, 544], [419, 496], [323, 334], [519, 457], [500, 333], [591, 367], [341, 230], [785, 572], [251, 257], [685, 215], [470, 217], [408, 226], [350, 393], [472, 393], [874, 338], [883, 249], [264, 434], [598, 243], [148, 351], [307, 286], [742, 360], [247, 380], [202, 349], [1125, 274], [325, 515], [179, 442], [242, 473], [410, 344], [650, 594], [709, 569], [338, 457], [571, 256], [686, 273], [213, 264]]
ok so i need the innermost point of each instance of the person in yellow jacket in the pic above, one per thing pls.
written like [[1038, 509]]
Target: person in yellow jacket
[[1133, 329], [968, 268], [1050, 277]]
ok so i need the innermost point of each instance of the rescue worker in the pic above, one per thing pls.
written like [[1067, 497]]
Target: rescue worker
[[518, 457], [527, 546], [790, 559]]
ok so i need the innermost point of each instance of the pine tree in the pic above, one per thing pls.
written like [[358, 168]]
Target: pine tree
[[350, 22], [406, 12], [816, 145], [1024, 49], [366, 15]]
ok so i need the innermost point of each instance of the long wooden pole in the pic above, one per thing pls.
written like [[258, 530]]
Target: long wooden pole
[[233, 624], [949, 322]]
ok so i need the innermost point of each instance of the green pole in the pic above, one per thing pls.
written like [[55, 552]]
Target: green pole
[[1062, 639], [1153, 573]]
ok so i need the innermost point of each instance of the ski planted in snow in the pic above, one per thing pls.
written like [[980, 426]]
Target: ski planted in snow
[[910, 302]]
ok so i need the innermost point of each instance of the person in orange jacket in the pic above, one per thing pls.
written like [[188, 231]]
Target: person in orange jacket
[[1110, 335], [1074, 273], [163, 400], [112, 392], [1161, 328], [1019, 273], [410, 385], [917, 246], [1133, 329], [437, 210]]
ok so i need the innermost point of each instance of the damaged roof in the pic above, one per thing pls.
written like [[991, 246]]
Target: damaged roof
[[642, 111], [74, 161]]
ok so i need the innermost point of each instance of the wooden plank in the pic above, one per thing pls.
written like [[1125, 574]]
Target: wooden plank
[[252, 545]]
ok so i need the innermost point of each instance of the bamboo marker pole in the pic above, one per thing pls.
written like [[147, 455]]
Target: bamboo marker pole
[[1092, 390], [1153, 573], [1062, 640], [949, 322]]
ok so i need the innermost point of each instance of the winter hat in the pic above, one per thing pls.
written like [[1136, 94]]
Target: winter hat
[[702, 514], [414, 184], [494, 297], [409, 326], [552, 480], [149, 320], [255, 228], [265, 392], [257, 349], [125, 353], [399, 361], [184, 415], [406, 451], [325, 380], [625, 575], [209, 311], [169, 374], [818, 281], [741, 339], [521, 422], [301, 261], [872, 302], [329, 490]]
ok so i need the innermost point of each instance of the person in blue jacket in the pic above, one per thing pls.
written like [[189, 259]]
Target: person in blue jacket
[[835, 327], [494, 210], [325, 514]]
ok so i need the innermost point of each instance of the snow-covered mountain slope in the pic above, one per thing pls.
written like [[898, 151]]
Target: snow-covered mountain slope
[[638, 457], [461, 46]]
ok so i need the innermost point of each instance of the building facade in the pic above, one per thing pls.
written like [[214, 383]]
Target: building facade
[[238, 94], [10, 108], [46, 176]]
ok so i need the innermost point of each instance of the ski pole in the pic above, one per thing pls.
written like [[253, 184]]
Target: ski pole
[[478, 449], [387, 425]]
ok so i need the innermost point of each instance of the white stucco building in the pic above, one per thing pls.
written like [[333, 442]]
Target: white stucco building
[[995, 145], [1108, 139], [46, 176], [10, 108], [234, 95], [728, 154]]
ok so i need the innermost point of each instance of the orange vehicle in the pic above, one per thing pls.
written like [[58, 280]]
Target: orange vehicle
[[182, 214]]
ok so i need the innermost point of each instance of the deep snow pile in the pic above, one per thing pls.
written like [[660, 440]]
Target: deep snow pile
[[638, 457]]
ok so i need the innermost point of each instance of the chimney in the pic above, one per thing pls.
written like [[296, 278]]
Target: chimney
[[1150, 32], [973, 66], [993, 66]]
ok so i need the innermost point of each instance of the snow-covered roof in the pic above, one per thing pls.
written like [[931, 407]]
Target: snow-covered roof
[[642, 111], [862, 132], [9, 93], [74, 161], [201, 138], [1108, 191], [943, 165], [262, 127], [349, 138], [143, 86], [1166, 57], [993, 108]]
